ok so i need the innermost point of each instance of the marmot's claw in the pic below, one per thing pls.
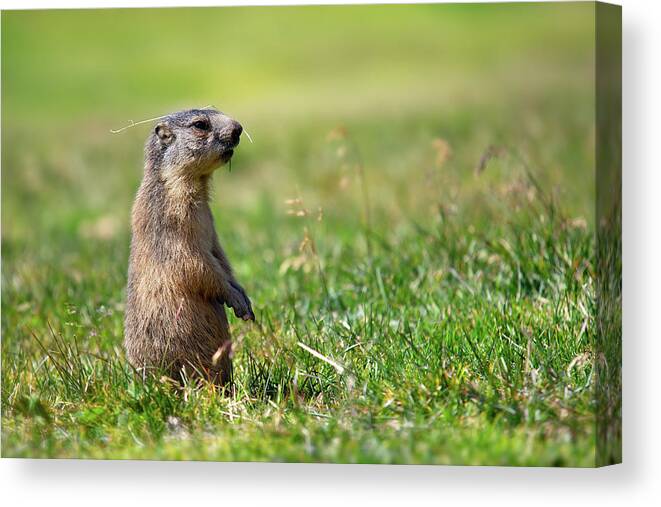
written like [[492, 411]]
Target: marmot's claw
[[249, 315], [243, 314], [240, 303]]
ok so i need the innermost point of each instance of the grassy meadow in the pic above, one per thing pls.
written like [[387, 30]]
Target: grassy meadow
[[413, 223]]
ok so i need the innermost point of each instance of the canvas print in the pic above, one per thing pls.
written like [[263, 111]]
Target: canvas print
[[343, 234]]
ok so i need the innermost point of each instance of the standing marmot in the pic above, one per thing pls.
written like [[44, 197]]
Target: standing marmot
[[179, 277]]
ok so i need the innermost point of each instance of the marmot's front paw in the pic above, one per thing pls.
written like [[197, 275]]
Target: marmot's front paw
[[239, 302]]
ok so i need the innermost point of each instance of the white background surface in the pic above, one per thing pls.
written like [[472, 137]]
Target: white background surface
[[637, 482]]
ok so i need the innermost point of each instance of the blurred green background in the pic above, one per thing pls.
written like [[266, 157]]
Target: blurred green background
[[444, 155], [397, 76]]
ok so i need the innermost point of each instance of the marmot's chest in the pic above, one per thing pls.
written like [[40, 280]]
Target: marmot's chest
[[202, 228]]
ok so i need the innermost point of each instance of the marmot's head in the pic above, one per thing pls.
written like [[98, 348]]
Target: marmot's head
[[192, 143]]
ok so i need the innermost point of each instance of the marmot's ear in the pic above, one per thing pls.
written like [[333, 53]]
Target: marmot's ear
[[164, 133]]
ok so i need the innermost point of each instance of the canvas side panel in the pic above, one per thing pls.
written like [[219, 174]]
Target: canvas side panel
[[608, 347]]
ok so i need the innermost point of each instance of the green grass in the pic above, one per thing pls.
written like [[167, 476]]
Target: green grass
[[457, 304]]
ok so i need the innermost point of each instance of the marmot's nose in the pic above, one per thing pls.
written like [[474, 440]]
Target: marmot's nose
[[235, 132]]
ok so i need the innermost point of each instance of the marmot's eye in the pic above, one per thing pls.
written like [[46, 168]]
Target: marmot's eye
[[201, 124]]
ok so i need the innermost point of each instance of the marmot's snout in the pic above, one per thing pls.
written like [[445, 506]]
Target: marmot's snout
[[230, 134], [235, 130], [229, 137]]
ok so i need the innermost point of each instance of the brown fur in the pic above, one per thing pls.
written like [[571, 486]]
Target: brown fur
[[179, 277]]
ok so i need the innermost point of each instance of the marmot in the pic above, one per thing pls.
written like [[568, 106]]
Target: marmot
[[179, 277]]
